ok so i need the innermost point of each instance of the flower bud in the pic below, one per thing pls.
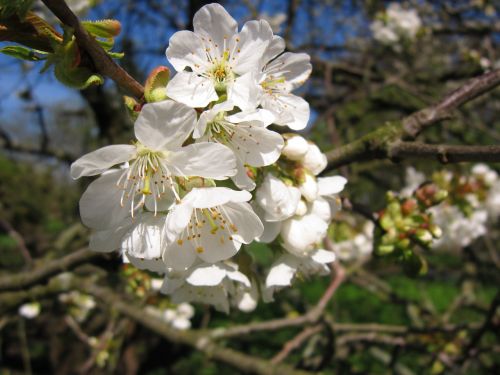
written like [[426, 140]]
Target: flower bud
[[309, 187], [295, 147], [423, 235], [314, 160], [301, 208]]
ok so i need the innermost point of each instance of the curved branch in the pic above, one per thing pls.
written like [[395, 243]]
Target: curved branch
[[444, 153], [196, 340], [40, 274], [376, 145], [103, 63]]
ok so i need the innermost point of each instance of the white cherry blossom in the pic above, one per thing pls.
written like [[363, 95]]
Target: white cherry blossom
[[245, 133], [314, 159], [280, 73], [295, 147], [278, 200], [153, 162], [288, 266], [214, 284], [209, 224], [220, 59]]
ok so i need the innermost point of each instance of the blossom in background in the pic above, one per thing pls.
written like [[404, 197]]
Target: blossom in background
[[396, 24], [30, 310], [458, 230], [79, 304], [473, 203], [357, 243]]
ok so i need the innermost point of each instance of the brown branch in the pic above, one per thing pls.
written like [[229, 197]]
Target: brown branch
[[376, 145], [473, 88], [311, 317], [102, 61], [443, 153], [296, 342], [21, 244], [196, 340], [41, 273]]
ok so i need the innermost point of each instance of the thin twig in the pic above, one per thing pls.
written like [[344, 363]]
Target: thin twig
[[41, 273], [296, 342], [21, 244]]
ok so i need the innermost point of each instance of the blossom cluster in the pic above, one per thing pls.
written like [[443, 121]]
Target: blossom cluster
[[207, 174], [473, 203], [396, 25]]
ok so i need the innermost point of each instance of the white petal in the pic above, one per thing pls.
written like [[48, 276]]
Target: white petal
[[216, 196], [278, 200], [100, 160], [178, 218], [281, 274], [309, 187], [214, 22], [263, 115], [314, 160], [331, 185], [321, 208], [245, 92], [185, 49], [301, 235], [206, 159], [275, 47], [207, 275], [271, 231], [216, 246], [241, 178], [246, 221], [295, 147], [191, 89], [164, 203], [179, 256], [154, 265], [164, 124], [323, 256], [295, 106], [295, 67], [110, 239], [258, 146], [239, 277], [254, 38], [100, 204], [145, 239], [207, 117], [170, 285]]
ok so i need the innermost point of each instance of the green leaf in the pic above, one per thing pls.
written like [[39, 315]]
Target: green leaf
[[78, 78], [15, 7], [116, 55], [22, 53], [156, 84], [106, 44], [103, 28]]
